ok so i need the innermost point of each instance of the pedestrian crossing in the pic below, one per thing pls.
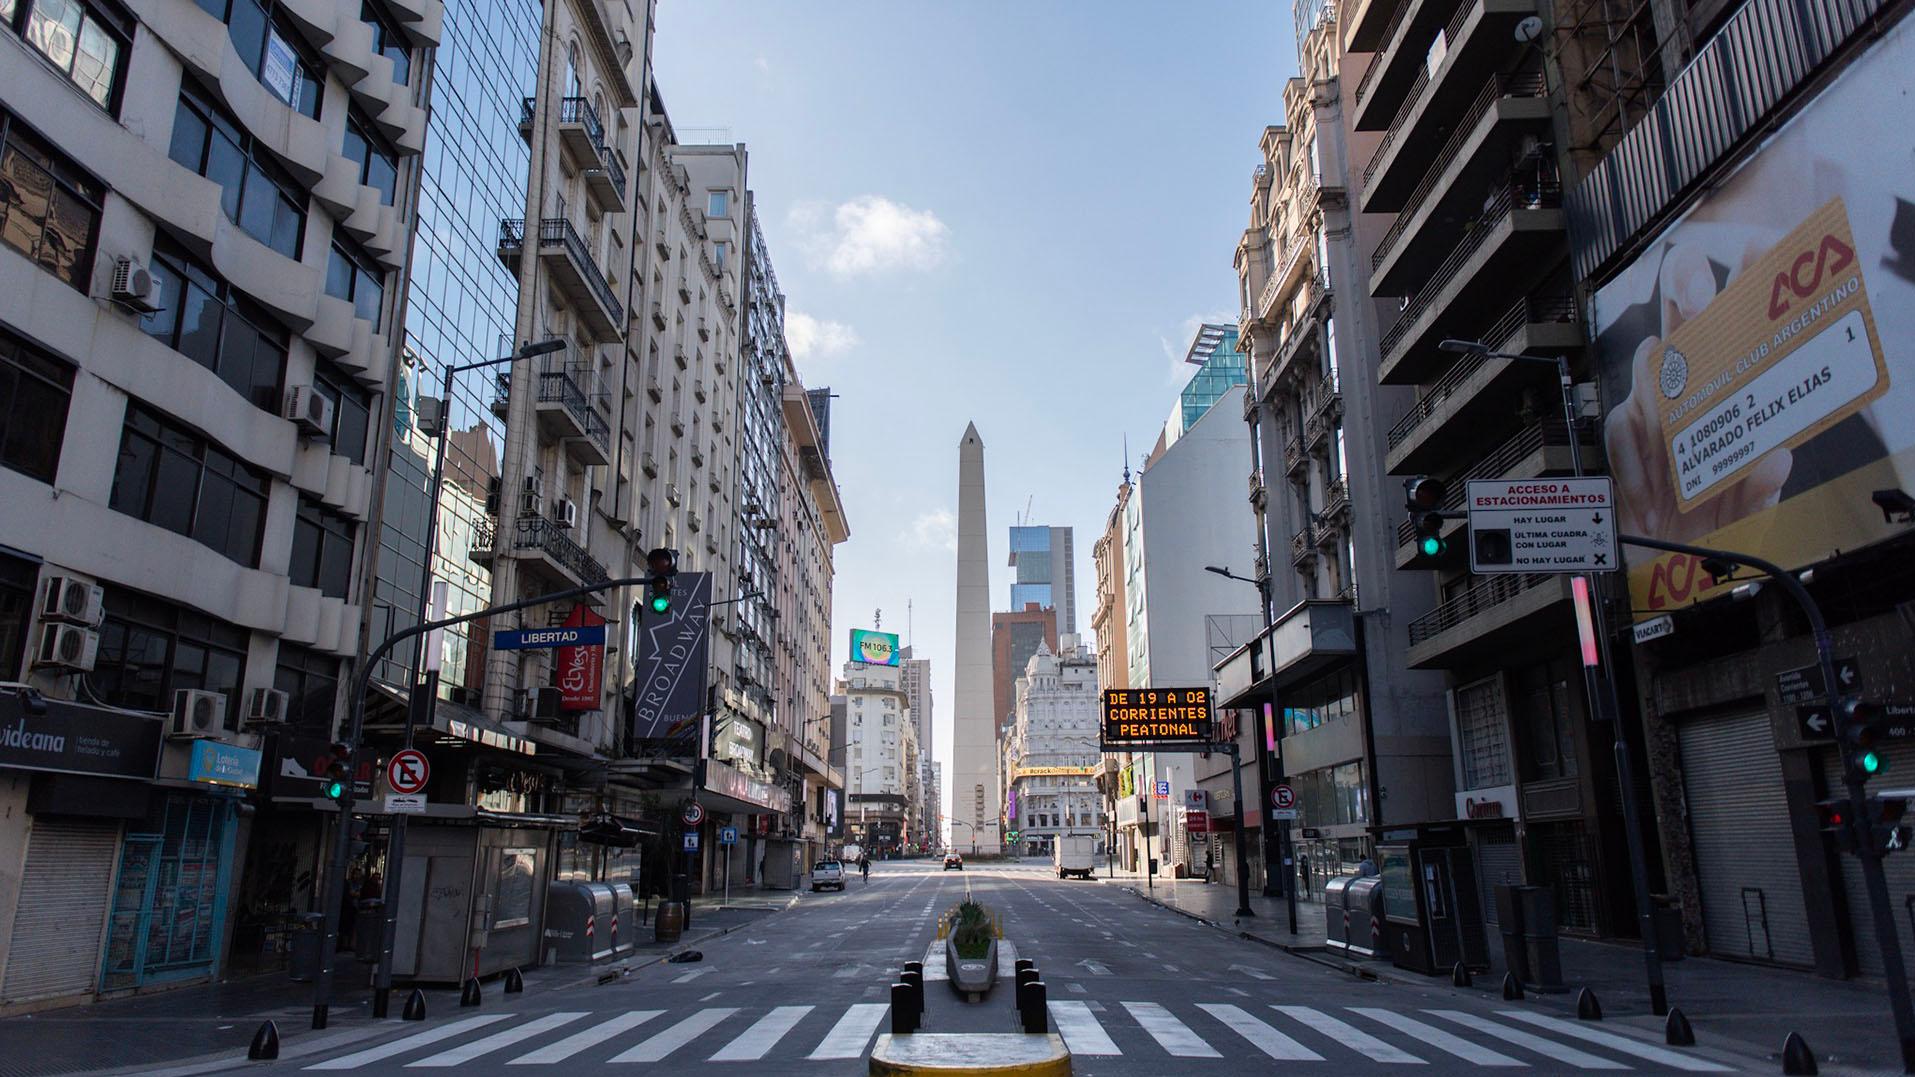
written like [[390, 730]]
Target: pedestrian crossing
[[1189, 1032]]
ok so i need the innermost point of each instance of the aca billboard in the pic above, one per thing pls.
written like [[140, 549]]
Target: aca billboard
[[874, 648], [1758, 358]]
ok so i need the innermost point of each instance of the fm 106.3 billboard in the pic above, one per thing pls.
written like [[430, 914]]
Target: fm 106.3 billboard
[[874, 648], [1157, 717]]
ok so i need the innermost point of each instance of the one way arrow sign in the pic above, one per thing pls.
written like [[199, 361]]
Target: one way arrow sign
[[1814, 723]]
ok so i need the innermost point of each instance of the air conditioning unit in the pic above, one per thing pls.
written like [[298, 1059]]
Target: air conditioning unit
[[542, 704], [308, 410], [73, 600], [535, 486], [568, 512], [197, 714], [69, 647], [133, 287], [267, 706]]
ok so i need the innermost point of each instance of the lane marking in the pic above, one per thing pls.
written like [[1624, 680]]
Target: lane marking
[[1627, 1046], [1546, 1048], [464, 1053], [1347, 1034], [851, 1036], [677, 1036], [763, 1034], [579, 1041], [1262, 1036], [690, 976], [1082, 1032], [1437, 1038], [409, 1043], [1173, 1035]]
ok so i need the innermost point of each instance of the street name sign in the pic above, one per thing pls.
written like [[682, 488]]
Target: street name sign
[[1804, 683], [1156, 717], [528, 639], [1542, 525], [1655, 628], [407, 771]]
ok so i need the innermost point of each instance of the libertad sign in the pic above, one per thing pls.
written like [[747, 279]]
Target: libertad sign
[[1156, 716]]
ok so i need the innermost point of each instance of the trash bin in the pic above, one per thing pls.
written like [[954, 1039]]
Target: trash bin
[[1667, 916], [1336, 916], [1540, 945], [369, 930], [1509, 922], [302, 963], [669, 924], [1363, 915]]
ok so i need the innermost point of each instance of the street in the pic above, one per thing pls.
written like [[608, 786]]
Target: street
[[1134, 989]]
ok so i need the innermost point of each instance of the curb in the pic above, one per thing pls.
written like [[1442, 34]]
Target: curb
[[1308, 953], [970, 1054], [606, 974]]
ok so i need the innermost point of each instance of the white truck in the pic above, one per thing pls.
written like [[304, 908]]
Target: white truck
[[1074, 854]]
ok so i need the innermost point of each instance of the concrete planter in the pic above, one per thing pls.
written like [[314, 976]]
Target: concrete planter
[[971, 975]]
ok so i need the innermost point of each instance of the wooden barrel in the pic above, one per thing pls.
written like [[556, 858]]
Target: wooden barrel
[[670, 921]]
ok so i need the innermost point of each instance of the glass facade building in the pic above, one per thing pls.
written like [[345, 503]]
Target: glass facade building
[[1031, 557], [1220, 366]]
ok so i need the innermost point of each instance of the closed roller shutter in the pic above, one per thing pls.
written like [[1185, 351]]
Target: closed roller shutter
[[1899, 867], [1499, 860], [1752, 903], [55, 948]]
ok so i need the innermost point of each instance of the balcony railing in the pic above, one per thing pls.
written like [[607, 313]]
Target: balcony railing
[[571, 110], [1325, 397], [1487, 595], [1528, 310], [1536, 194], [564, 384], [1295, 456], [1336, 499], [1303, 544], [1383, 52], [539, 533], [1258, 493], [1498, 462], [1498, 87], [558, 232]]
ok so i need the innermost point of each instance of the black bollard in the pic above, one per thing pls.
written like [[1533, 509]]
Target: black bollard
[[265, 1046], [469, 992], [1587, 1008], [914, 966], [901, 1023], [1511, 989], [1460, 975], [514, 982], [1796, 1056], [915, 980], [1026, 976], [1034, 1009], [1023, 963], [1676, 1031], [415, 1006]]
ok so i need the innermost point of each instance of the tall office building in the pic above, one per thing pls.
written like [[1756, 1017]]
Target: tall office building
[[1043, 571]]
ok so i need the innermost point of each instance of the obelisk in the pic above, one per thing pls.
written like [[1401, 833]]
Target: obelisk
[[974, 807]]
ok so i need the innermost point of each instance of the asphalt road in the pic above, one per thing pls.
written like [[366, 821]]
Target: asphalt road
[[1134, 989]]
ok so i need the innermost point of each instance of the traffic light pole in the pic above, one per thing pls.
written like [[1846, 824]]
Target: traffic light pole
[[335, 890], [1873, 879]]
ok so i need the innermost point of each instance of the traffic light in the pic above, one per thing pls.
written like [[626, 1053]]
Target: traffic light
[[1423, 498], [1861, 726], [1011, 834], [357, 833], [337, 781], [1837, 823], [1887, 833], [663, 565]]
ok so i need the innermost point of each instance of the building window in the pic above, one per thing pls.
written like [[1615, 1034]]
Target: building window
[[272, 51], [170, 476], [18, 580], [1482, 734], [718, 253], [49, 209], [34, 390], [351, 275], [1542, 705], [150, 649], [311, 683], [388, 41], [378, 162], [1328, 699], [718, 204], [351, 410], [257, 194], [203, 318], [85, 43], [322, 550]]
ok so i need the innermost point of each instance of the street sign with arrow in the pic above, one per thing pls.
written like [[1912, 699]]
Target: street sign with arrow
[[1813, 722]]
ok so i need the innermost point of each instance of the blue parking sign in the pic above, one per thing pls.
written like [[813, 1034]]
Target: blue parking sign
[[727, 835], [691, 841]]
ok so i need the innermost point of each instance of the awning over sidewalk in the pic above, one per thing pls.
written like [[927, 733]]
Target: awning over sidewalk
[[1308, 638]]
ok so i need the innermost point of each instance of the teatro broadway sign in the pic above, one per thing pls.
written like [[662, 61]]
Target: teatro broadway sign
[[1156, 716], [73, 739]]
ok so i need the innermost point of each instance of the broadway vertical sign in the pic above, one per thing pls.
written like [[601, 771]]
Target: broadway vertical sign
[[668, 696]]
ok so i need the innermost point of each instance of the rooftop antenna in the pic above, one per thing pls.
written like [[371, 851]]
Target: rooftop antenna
[[907, 622], [1126, 459]]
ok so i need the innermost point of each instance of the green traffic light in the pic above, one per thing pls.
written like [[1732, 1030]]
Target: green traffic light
[[1432, 545], [1871, 762], [335, 789], [661, 604]]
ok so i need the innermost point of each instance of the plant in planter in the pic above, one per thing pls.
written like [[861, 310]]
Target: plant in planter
[[970, 949]]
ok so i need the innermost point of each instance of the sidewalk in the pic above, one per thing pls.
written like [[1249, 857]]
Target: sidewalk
[[1846, 1022], [212, 1024]]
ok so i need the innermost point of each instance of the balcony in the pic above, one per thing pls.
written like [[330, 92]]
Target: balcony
[[698, 389], [678, 356], [1303, 546], [658, 315], [550, 548], [568, 412], [1478, 35], [1479, 392], [1259, 494], [564, 255], [1326, 399], [1486, 622], [1507, 111], [1519, 228], [1401, 49], [606, 183], [654, 390], [1336, 501], [704, 328], [1301, 341], [1316, 433], [1368, 23], [1296, 460], [1536, 450], [501, 395], [698, 455], [672, 495], [649, 463], [692, 521]]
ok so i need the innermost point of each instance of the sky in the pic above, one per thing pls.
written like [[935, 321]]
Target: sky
[[1012, 212]]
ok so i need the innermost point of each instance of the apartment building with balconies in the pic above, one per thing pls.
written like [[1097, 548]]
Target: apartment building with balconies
[[203, 209], [1465, 180]]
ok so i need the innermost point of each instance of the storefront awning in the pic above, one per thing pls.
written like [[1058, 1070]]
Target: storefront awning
[[1310, 637], [451, 721]]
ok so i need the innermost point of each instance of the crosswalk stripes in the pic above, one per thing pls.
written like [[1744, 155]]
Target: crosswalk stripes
[[1171, 1034], [1438, 1038], [409, 1043], [1347, 1034], [1530, 1041], [1079, 1027], [680, 1034], [591, 1037], [1261, 1036], [849, 1037], [1659, 1055], [753, 1042], [498, 1041]]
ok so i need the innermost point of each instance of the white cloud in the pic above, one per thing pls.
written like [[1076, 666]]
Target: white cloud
[[810, 338], [934, 530], [870, 234], [762, 65]]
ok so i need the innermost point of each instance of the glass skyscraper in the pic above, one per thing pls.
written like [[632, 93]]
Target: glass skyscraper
[[1042, 559], [1220, 366]]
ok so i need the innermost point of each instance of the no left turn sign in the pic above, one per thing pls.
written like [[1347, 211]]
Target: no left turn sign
[[408, 771]]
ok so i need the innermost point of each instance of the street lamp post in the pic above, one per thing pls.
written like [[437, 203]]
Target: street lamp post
[[396, 845], [1277, 873]]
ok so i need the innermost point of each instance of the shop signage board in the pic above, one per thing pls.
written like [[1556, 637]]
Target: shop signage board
[[215, 762], [581, 666], [1542, 525], [1157, 717], [71, 738]]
